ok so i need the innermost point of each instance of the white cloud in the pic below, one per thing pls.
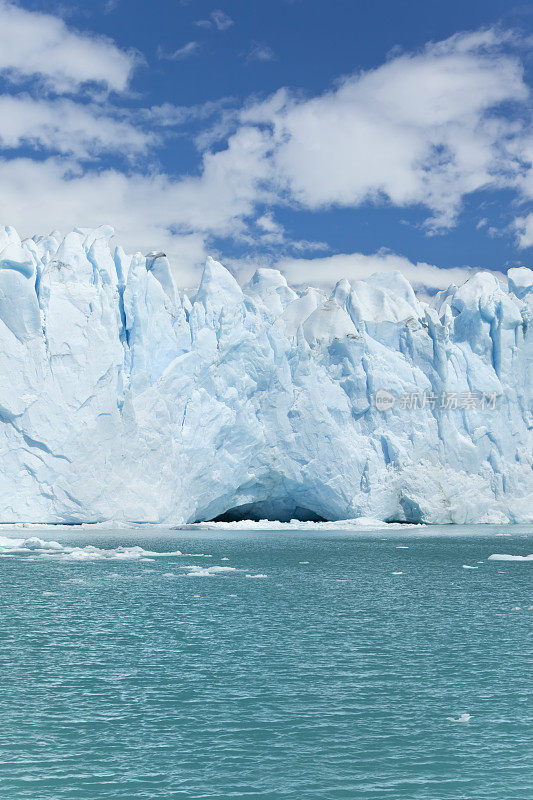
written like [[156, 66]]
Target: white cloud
[[169, 115], [524, 224], [34, 44], [261, 52], [270, 232], [69, 128], [221, 20], [422, 129], [188, 50], [268, 224], [357, 266], [524, 230], [217, 19], [109, 6]]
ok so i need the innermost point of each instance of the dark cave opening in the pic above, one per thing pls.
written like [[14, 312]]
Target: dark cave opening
[[276, 510]]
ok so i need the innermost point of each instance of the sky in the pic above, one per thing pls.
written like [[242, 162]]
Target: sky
[[326, 138]]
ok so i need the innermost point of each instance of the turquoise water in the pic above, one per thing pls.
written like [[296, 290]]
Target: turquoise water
[[133, 678]]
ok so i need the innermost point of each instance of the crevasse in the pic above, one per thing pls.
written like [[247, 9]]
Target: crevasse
[[122, 399]]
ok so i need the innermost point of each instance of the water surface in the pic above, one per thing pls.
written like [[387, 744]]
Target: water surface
[[138, 676]]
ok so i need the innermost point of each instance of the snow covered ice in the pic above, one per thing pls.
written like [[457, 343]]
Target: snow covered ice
[[122, 399]]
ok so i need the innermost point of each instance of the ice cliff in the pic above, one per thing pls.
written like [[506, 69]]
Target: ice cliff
[[123, 399]]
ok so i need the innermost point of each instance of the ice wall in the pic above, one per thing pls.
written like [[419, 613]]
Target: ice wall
[[122, 399]]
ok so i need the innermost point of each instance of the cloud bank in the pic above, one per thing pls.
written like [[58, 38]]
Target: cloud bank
[[423, 130]]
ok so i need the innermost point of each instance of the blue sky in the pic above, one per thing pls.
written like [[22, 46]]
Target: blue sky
[[326, 138]]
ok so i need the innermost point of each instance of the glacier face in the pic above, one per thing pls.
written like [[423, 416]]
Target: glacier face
[[122, 399]]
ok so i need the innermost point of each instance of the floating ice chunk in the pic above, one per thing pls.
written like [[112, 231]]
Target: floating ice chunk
[[34, 543], [361, 523], [197, 555], [52, 549], [505, 557], [259, 575], [368, 522], [397, 573], [467, 566], [205, 572], [461, 718]]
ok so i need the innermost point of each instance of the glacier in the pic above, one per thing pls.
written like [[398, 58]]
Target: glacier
[[124, 399]]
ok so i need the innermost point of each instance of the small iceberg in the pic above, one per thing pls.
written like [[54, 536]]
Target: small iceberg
[[35, 547], [207, 572], [506, 557]]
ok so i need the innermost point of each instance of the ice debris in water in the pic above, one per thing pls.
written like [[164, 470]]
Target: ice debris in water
[[51, 549], [361, 524], [505, 557], [207, 572], [461, 718], [125, 400]]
